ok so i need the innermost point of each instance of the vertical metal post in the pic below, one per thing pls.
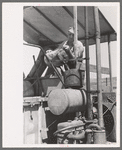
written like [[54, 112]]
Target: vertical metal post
[[98, 66], [75, 28], [110, 68], [24, 126], [75, 36], [89, 105], [40, 107]]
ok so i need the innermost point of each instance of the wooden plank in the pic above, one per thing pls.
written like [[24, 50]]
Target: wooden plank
[[104, 70]]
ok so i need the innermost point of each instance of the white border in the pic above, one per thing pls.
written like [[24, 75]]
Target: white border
[[12, 72]]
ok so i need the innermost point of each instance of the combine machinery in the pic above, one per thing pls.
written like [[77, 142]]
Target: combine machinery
[[58, 107]]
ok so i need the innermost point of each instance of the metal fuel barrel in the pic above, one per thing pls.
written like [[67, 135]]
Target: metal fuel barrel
[[66, 100]]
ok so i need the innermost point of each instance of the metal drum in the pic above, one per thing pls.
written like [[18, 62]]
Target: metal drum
[[66, 100], [99, 137]]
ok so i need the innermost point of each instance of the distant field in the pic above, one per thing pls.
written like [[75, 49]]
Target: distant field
[[105, 84]]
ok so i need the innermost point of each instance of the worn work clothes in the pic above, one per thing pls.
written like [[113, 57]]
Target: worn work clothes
[[52, 56], [79, 49], [77, 53], [64, 53]]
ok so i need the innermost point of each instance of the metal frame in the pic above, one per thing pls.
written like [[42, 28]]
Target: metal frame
[[98, 64], [41, 13], [39, 32], [110, 67], [89, 110]]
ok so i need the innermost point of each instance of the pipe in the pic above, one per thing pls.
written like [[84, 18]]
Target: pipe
[[98, 67], [40, 109], [89, 104], [68, 128], [75, 28], [110, 68], [94, 126], [38, 79], [91, 121], [88, 136], [79, 136]]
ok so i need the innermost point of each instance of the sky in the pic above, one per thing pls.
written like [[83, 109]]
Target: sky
[[107, 12], [110, 15]]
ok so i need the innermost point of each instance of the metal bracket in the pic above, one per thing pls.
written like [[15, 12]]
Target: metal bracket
[[93, 92]]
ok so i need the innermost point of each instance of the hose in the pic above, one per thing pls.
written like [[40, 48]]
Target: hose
[[67, 128], [79, 136], [94, 126]]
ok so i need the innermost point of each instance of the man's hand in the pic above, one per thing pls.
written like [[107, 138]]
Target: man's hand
[[66, 48], [68, 51]]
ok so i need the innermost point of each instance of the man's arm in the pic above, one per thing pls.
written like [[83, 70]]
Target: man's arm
[[67, 50], [79, 49]]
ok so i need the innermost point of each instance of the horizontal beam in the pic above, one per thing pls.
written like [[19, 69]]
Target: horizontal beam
[[93, 69], [103, 69], [90, 37], [26, 7]]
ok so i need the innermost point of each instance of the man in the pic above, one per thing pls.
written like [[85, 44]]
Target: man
[[66, 51], [68, 47]]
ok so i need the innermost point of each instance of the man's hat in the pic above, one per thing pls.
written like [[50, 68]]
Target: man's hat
[[71, 29]]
